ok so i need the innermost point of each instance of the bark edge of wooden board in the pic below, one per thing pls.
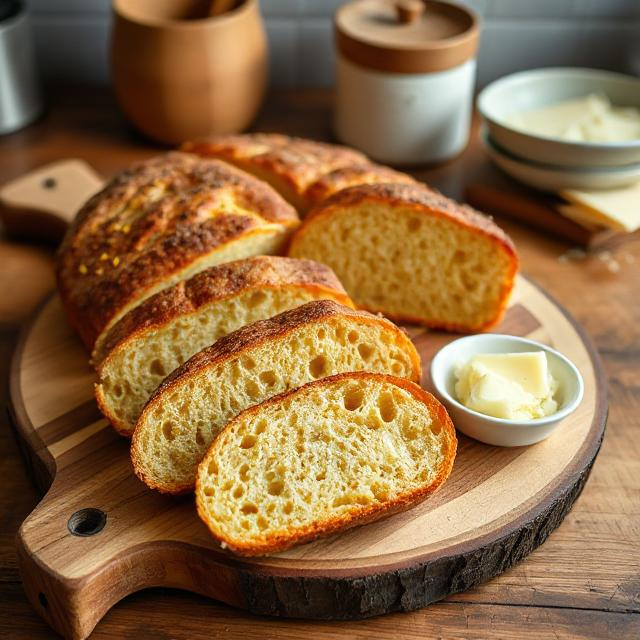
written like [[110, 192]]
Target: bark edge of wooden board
[[398, 564]]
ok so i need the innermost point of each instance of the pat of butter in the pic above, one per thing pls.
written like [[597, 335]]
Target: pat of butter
[[515, 386], [529, 370]]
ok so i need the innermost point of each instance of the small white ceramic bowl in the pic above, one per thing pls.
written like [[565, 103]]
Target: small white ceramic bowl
[[498, 431], [543, 87], [550, 178]]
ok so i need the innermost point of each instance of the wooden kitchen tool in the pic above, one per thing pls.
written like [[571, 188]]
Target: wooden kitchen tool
[[41, 204], [218, 7], [534, 210], [99, 534]]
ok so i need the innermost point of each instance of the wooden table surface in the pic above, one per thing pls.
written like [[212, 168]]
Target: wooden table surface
[[584, 582]]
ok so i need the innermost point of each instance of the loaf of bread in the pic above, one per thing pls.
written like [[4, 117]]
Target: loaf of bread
[[412, 254], [251, 364], [289, 165], [336, 453], [352, 176], [159, 222], [163, 332]]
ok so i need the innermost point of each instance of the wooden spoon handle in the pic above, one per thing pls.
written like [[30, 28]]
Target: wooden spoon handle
[[537, 214], [219, 7], [41, 204]]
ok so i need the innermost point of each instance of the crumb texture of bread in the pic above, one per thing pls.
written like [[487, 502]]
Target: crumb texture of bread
[[161, 221], [167, 329], [290, 165], [412, 254], [333, 454], [192, 405], [352, 176]]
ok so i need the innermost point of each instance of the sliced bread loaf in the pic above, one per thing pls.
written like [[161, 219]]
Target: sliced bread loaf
[[251, 364], [412, 254], [161, 221], [165, 330], [336, 453]]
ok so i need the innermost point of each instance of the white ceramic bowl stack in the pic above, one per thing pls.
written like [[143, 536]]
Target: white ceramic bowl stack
[[549, 163]]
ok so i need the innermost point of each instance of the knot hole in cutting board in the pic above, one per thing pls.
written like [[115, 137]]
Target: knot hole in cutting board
[[87, 522]]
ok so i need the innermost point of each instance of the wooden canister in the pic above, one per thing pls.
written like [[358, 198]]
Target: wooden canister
[[180, 73]]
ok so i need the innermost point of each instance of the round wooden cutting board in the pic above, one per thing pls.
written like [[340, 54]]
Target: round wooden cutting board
[[498, 505]]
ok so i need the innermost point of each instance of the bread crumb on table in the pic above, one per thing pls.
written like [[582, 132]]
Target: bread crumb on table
[[611, 262]]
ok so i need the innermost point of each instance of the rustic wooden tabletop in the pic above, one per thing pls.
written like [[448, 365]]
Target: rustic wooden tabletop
[[584, 582]]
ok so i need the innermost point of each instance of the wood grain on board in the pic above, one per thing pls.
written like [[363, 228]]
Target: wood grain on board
[[498, 505]]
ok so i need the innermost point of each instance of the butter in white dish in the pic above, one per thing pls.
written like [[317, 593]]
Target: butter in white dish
[[589, 119], [513, 386]]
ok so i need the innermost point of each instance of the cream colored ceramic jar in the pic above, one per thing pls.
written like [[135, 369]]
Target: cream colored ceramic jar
[[405, 89]]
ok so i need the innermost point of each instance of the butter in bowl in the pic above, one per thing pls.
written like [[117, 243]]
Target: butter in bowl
[[504, 390]]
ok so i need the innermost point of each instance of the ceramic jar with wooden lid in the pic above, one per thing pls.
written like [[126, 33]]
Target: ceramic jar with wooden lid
[[405, 78]]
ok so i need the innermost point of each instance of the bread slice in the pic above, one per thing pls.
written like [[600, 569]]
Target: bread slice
[[352, 176], [290, 165], [412, 254], [159, 222], [336, 453], [167, 329], [251, 364]]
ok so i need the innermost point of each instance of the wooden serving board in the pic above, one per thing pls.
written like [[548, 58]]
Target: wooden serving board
[[498, 505]]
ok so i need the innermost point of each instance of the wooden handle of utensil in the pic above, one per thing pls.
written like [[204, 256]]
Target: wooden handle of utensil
[[534, 213], [219, 7], [41, 204]]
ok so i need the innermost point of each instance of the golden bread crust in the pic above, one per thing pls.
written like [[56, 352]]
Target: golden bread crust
[[366, 513], [420, 196], [151, 222], [271, 329], [218, 283], [294, 161], [352, 176], [237, 146], [430, 202]]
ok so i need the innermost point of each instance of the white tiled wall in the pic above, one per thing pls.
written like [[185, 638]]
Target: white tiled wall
[[72, 37]]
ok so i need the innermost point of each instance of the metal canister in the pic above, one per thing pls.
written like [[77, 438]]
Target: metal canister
[[20, 95]]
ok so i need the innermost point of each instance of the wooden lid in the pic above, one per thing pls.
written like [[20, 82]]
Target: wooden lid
[[406, 36]]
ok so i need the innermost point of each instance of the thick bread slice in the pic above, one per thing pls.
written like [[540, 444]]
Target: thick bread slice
[[250, 365], [167, 329], [352, 176], [161, 221], [336, 453], [290, 165], [412, 254]]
